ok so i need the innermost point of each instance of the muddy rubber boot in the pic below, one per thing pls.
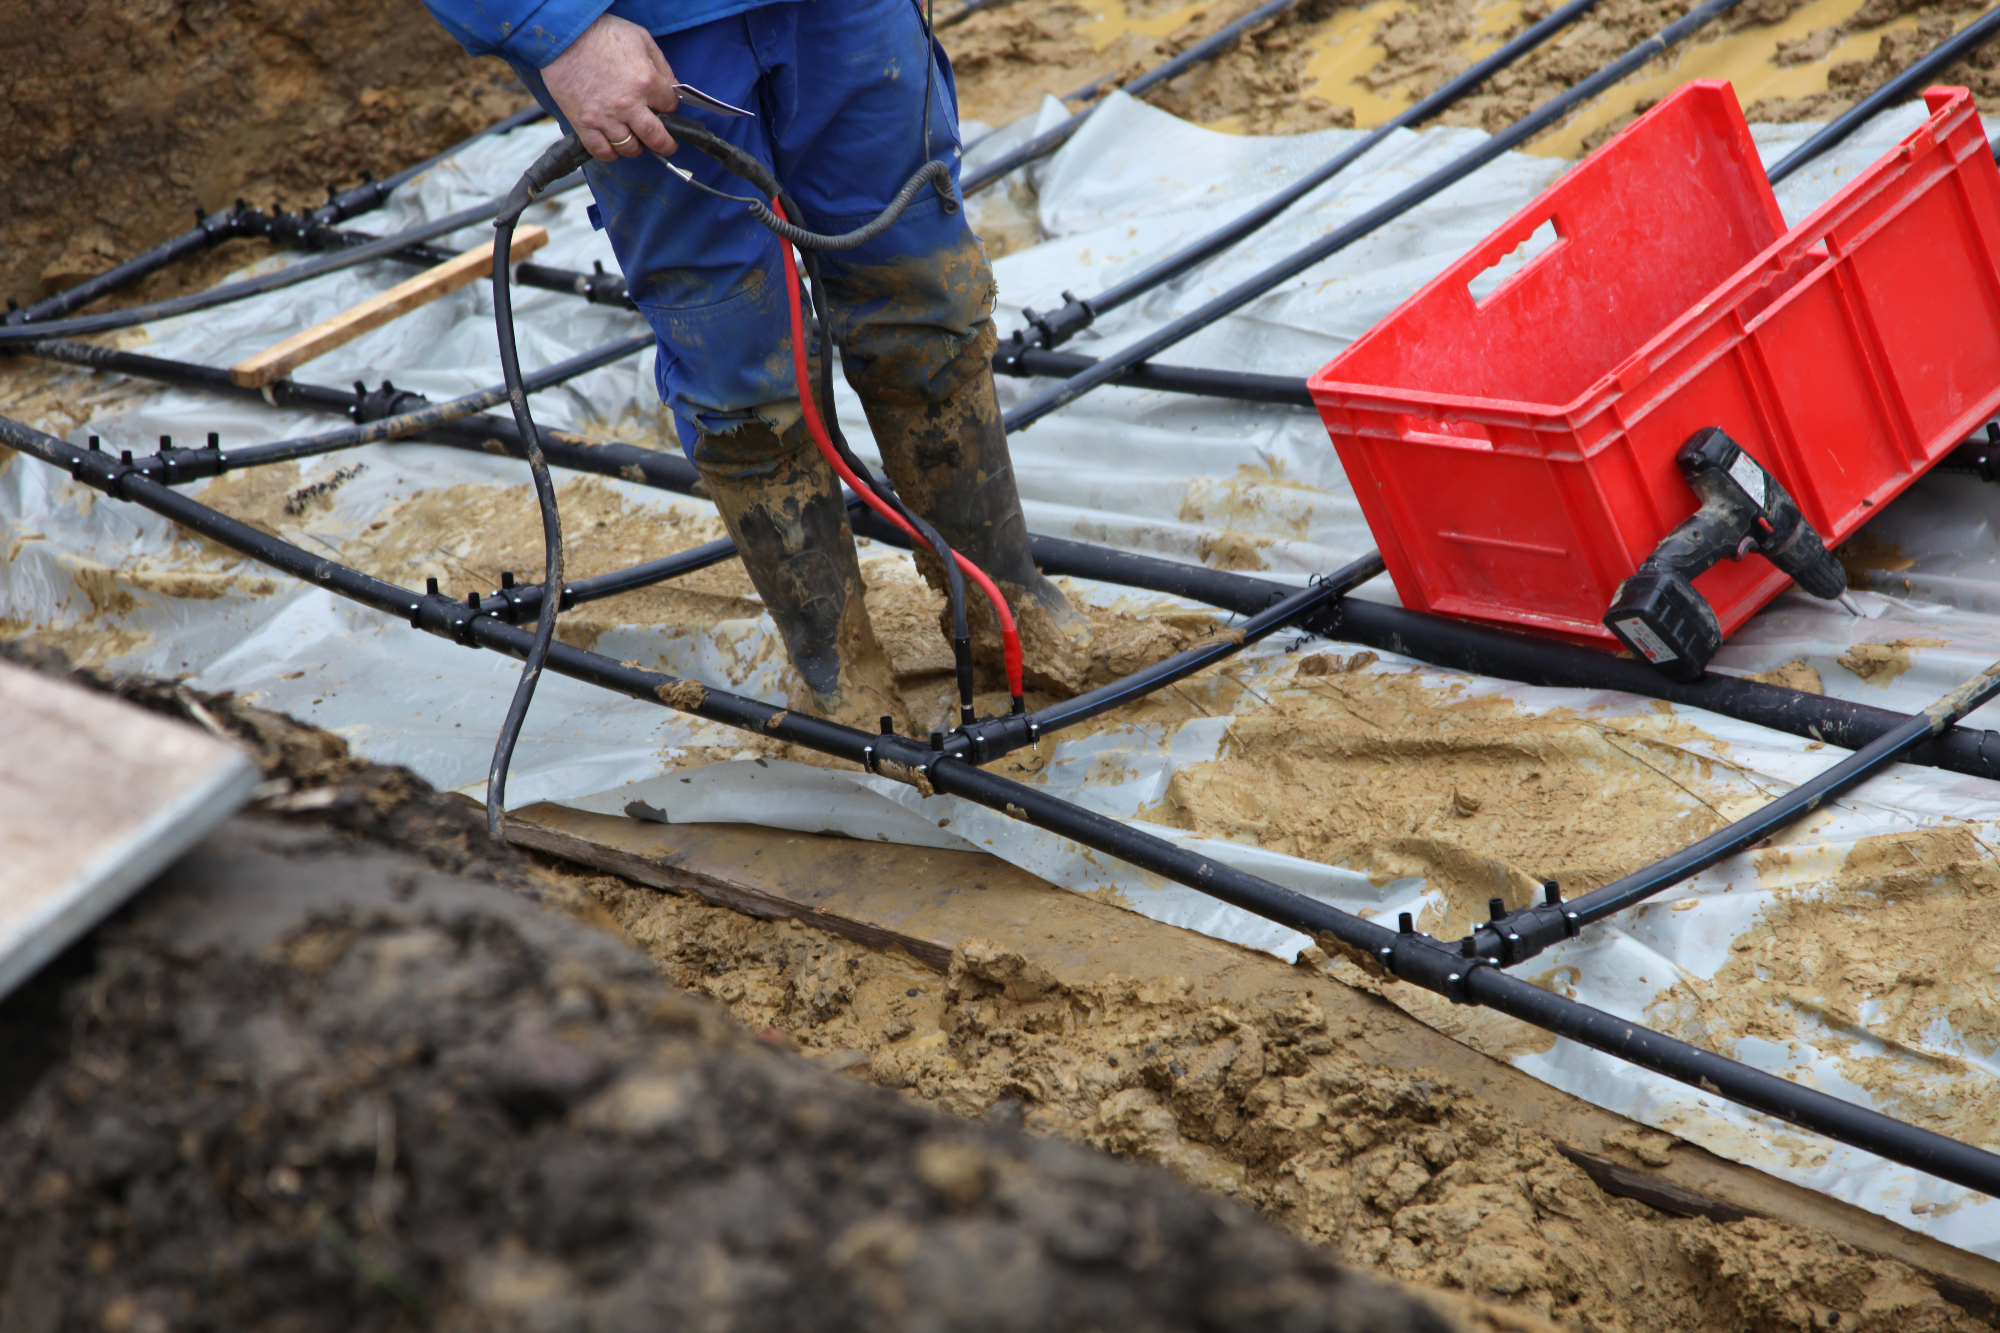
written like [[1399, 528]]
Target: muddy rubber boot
[[791, 530], [950, 463]]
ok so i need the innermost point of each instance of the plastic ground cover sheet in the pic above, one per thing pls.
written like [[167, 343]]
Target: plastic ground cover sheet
[[1849, 953]]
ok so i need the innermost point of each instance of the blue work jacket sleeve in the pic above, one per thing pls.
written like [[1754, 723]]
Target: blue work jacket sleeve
[[527, 32]]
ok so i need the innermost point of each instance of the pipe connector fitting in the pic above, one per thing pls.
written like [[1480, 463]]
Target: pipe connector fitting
[[446, 617]]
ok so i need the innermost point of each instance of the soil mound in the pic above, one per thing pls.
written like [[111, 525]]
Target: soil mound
[[123, 116], [310, 1085]]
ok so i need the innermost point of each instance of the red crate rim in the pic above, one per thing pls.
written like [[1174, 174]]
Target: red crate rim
[[1946, 105]]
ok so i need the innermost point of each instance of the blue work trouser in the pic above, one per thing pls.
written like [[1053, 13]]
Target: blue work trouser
[[837, 88]]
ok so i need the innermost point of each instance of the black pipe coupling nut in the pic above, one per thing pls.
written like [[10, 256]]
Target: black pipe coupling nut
[[446, 617], [100, 471], [177, 467], [1059, 326], [387, 401], [1428, 963], [1454, 981], [991, 737], [513, 604], [1514, 937]]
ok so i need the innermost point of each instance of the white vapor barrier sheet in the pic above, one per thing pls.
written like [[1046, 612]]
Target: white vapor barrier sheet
[[1181, 477]]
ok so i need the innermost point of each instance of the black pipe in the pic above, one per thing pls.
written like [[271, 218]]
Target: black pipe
[[1077, 314], [1487, 650], [1415, 958], [1954, 48], [1022, 359], [598, 287], [175, 466], [1013, 357], [1425, 962], [482, 433], [1514, 937], [1844, 1122], [527, 115], [517, 603], [209, 230], [1483, 650], [984, 741], [212, 229], [1341, 237], [14, 335], [1049, 140]]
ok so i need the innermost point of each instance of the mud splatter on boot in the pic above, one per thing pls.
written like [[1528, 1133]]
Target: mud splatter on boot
[[949, 462], [782, 504]]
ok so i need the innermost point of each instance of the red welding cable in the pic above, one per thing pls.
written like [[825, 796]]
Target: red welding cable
[[1010, 638]]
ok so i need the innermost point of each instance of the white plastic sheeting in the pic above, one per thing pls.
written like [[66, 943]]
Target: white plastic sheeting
[[1139, 470]]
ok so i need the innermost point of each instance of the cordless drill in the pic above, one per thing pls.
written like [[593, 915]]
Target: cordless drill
[[1657, 612]]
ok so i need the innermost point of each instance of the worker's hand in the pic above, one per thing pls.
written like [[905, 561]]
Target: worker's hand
[[609, 83]]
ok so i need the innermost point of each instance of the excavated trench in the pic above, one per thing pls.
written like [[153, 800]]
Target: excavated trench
[[1263, 1097]]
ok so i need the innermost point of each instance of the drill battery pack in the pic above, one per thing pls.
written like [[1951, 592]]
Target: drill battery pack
[[1515, 449]]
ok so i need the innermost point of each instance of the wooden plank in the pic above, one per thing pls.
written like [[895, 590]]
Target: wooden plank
[[275, 362], [97, 796], [1654, 1191], [662, 873], [927, 899]]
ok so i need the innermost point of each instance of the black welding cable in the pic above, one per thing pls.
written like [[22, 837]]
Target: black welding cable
[[1066, 323], [1342, 237], [533, 182], [1415, 958], [1948, 52]]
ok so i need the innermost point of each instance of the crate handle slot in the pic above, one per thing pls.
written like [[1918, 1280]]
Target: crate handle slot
[[1489, 282], [1451, 434]]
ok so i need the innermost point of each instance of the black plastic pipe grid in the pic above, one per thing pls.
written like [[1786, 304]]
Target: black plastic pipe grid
[[983, 741], [123, 475], [308, 229], [1408, 956], [1456, 645], [1510, 937]]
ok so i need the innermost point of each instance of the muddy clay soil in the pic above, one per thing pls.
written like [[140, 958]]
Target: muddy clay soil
[[310, 1162], [1280, 79], [1268, 1103], [312, 1082], [124, 116], [130, 114], [468, 535], [309, 1082]]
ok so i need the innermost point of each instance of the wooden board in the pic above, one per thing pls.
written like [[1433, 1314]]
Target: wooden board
[[274, 363], [97, 796], [926, 900]]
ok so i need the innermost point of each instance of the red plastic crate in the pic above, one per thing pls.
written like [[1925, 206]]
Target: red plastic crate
[[1514, 455]]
